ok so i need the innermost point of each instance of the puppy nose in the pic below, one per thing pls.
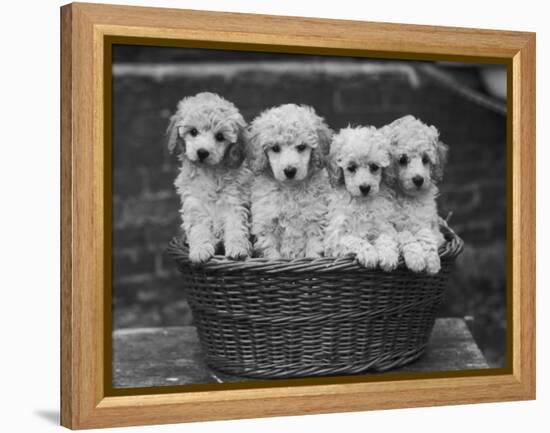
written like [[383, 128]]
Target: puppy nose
[[290, 172], [202, 154], [418, 181], [365, 189]]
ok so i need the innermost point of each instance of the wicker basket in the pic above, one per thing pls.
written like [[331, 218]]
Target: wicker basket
[[311, 317]]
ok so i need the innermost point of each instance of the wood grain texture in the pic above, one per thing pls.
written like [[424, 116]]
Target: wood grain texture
[[524, 292], [67, 385], [83, 232]]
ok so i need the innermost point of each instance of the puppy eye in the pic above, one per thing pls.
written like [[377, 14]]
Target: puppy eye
[[276, 148], [219, 137], [301, 147], [193, 132], [374, 168], [403, 160], [352, 168], [425, 160]]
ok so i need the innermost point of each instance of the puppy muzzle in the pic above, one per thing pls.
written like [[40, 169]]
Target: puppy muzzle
[[202, 154], [365, 189], [290, 172], [418, 181]]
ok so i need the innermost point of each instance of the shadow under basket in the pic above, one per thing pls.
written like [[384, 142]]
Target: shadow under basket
[[311, 317]]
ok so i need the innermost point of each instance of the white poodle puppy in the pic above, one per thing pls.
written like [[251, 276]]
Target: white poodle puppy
[[212, 182], [286, 149], [418, 158], [361, 205]]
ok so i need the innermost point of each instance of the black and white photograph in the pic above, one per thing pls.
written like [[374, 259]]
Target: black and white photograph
[[279, 216]]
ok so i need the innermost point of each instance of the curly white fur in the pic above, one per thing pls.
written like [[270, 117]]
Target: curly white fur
[[361, 205], [285, 150], [213, 181], [418, 158]]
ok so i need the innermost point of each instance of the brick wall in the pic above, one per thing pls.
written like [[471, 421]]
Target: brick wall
[[145, 207]]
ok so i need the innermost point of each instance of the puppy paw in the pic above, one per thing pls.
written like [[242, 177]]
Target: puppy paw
[[433, 263], [237, 250], [368, 257], [414, 261], [201, 253], [388, 260]]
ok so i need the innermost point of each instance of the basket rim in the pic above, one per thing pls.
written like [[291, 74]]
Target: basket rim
[[179, 251]]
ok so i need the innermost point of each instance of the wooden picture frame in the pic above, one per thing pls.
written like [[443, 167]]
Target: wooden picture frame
[[86, 31]]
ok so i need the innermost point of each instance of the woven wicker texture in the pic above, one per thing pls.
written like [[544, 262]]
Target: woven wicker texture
[[310, 317]]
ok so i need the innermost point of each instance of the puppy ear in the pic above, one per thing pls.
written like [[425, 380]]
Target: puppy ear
[[254, 151], [175, 128], [335, 172], [389, 169], [234, 154], [442, 152], [174, 134], [324, 134], [385, 158], [324, 137], [389, 174]]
